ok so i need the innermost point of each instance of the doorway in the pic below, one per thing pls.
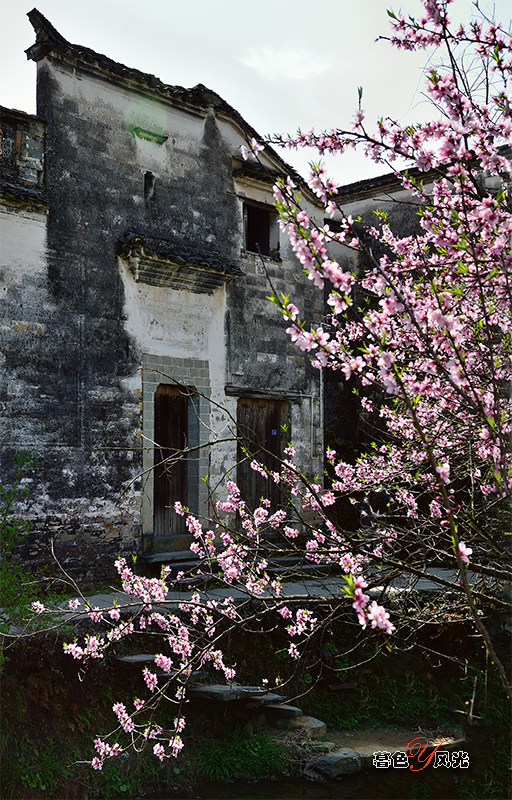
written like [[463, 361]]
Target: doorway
[[175, 471], [263, 428]]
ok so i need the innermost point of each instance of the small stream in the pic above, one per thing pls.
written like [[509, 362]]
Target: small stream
[[388, 784]]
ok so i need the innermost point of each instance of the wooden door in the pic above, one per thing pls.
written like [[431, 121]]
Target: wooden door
[[260, 423], [171, 478]]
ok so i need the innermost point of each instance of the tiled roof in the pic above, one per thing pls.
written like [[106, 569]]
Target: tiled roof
[[22, 193], [391, 182], [253, 169]]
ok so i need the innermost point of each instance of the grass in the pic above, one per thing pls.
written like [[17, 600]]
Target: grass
[[249, 755], [385, 704], [408, 702]]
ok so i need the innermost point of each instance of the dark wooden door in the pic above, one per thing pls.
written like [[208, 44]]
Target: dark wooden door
[[260, 423], [171, 479]]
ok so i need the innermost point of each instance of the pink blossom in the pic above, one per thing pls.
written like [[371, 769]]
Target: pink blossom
[[293, 651], [164, 662], [443, 470], [150, 679], [379, 617], [176, 745], [159, 751], [253, 149], [360, 600], [257, 467], [74, 650], [465, 552]]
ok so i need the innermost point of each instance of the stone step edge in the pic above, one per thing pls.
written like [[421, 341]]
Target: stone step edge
[[367, 758]]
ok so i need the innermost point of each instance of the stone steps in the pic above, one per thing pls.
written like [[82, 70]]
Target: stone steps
[[184, 561], [242, 699]]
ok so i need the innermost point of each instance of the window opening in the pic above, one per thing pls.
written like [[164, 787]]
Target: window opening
[[261, 230], [257, 230]]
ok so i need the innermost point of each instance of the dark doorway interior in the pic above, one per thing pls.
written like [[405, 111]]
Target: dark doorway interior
[[175, 473]]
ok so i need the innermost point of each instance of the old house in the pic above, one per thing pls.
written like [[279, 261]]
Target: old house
[[134, 318]]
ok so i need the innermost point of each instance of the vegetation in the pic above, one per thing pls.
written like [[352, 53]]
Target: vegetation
[[243, 754], [14, 578], [48, 721], [16, 589]]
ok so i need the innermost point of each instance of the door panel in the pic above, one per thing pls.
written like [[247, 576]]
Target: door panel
[[170, 478], [260, 422]]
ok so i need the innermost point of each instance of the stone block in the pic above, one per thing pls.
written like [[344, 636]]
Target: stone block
[[342, 762], [283, 711], [270, 698], [309, 726], [217, 692], [323, 747]]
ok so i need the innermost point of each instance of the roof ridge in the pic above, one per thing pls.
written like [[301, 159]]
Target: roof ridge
[[45, 30], [48, 39]]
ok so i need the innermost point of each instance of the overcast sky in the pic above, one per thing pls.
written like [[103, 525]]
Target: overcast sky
[[281, 63]]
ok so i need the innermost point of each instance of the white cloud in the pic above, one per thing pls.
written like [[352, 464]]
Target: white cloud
[[292, 63]]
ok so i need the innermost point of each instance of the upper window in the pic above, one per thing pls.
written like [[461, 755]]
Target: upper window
[[261, 232]]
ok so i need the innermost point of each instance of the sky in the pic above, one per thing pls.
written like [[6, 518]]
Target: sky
[[283, 64]]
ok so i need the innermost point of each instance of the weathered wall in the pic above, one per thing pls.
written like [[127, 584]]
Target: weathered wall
[[57, 397], [88, 344]]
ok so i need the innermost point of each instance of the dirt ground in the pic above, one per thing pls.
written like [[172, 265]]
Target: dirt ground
[[373, 740]]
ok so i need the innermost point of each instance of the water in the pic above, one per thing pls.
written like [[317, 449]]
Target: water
[[367, 785]]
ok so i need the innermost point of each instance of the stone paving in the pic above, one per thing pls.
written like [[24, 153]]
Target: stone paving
[[328, 588]]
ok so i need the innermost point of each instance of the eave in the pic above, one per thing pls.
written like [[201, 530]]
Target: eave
[[160, 262]]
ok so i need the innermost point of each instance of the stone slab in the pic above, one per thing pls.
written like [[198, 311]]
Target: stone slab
[[168, 557], [217, 692], [265, 699], [282, 710], [323, 747], [310, 726], [230, 691], [136, 660], [341, 762]]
